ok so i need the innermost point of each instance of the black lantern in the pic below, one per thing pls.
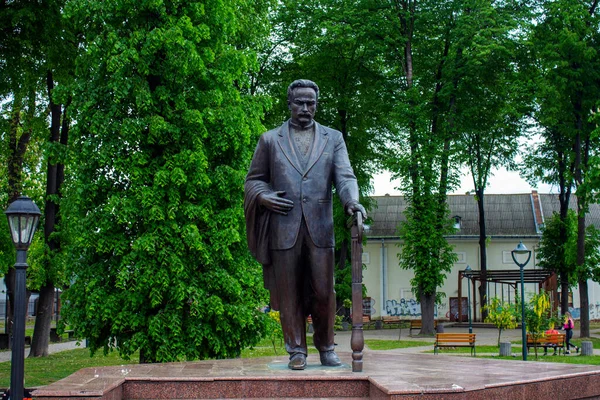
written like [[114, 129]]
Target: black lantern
[[23, 216]]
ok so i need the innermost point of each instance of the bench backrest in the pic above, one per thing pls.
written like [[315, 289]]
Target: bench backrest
[[417, 323], [552, 338], [455, 337]]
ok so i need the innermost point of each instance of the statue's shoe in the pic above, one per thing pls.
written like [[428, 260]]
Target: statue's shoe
[[297, 362], [330, 359]]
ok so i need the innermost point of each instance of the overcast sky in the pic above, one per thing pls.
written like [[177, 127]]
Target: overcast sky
[[503, 182]]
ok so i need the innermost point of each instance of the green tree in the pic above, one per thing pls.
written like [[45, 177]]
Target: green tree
[[567, 42], [554, 252], [331, 43], [491, 97], [22, 120], [590, 269], [503, 315], [163, 139], [550, 162], [558, 235], [274, 329], [538, 317]]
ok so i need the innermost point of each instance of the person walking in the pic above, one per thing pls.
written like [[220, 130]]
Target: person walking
[[568, 326]]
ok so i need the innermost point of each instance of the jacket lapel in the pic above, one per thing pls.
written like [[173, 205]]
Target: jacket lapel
[[321, 139], [286, 147]]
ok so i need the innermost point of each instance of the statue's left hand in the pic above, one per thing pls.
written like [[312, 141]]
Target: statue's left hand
[[355, 206]]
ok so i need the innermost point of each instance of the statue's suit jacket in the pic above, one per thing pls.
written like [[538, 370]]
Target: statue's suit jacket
[[276, 166]]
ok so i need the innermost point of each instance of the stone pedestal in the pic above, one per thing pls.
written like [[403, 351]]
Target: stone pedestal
[[505, 349], [587, 348], [456, 378]]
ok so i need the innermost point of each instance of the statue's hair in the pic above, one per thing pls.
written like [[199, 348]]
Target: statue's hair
[[302, 83]]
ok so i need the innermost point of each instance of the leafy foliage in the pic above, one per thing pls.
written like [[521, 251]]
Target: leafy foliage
[[425, 250], [502, 314], [163, 139], [274, 329], [565, 45], [552, 249], [538, 316], [553, 252]]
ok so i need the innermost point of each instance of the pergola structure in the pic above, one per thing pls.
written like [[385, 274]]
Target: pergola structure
[[545, 279]]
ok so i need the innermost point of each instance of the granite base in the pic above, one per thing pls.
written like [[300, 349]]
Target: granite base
[[386, 375]]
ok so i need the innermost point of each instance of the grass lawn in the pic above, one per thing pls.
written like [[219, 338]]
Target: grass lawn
[[467, 350], [378, 344], [45, 370]]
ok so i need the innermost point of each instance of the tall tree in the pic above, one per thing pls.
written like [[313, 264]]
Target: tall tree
[[331, 43], [425, 100], [569, 40], [550, 161], [57, 49], [490, 96], [164, 136], [22, 117]]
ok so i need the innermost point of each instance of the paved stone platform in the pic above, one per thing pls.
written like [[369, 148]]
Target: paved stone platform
[[386, 375]]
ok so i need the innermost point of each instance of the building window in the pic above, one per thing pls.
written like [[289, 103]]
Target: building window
[[457, 222]]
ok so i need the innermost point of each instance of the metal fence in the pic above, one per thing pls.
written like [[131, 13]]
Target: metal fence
[[31, 306]]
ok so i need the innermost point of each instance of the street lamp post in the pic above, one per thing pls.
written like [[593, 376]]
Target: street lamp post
[[468, 275], [521, 249], [23, 216]]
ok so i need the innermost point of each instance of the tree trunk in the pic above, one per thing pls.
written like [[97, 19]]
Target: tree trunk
[[564, 290], [54, 180], [563, 198], [43, 319], [581, 152], [584, 305], [482, 254], [427, 314]]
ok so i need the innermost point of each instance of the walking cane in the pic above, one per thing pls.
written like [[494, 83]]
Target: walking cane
[[357, 340]]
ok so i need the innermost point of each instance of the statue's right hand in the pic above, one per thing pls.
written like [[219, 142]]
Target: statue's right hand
[[275, 202]]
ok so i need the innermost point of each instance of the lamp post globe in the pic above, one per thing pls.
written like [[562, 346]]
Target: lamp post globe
[[520, 250], [23, 216]]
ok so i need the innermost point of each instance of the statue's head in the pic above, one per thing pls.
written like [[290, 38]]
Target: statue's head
[[302, 101]]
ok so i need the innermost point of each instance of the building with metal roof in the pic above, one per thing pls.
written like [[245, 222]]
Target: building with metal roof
[[510, 218]]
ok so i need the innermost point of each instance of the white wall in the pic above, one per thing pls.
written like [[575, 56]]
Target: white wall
[[389, 286]]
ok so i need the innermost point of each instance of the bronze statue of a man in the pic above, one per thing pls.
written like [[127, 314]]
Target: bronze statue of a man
[[289, 220]]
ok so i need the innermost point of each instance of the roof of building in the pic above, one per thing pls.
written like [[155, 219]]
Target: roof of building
[[505, 214], [550, 205]]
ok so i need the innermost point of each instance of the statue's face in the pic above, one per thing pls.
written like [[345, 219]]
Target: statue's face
[[303, 105]]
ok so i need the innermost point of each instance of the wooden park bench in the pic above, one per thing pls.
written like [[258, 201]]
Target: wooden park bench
[[390, 320], [55, 337], [454, 340], [366, 320], [555, 341], [418, 325]]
